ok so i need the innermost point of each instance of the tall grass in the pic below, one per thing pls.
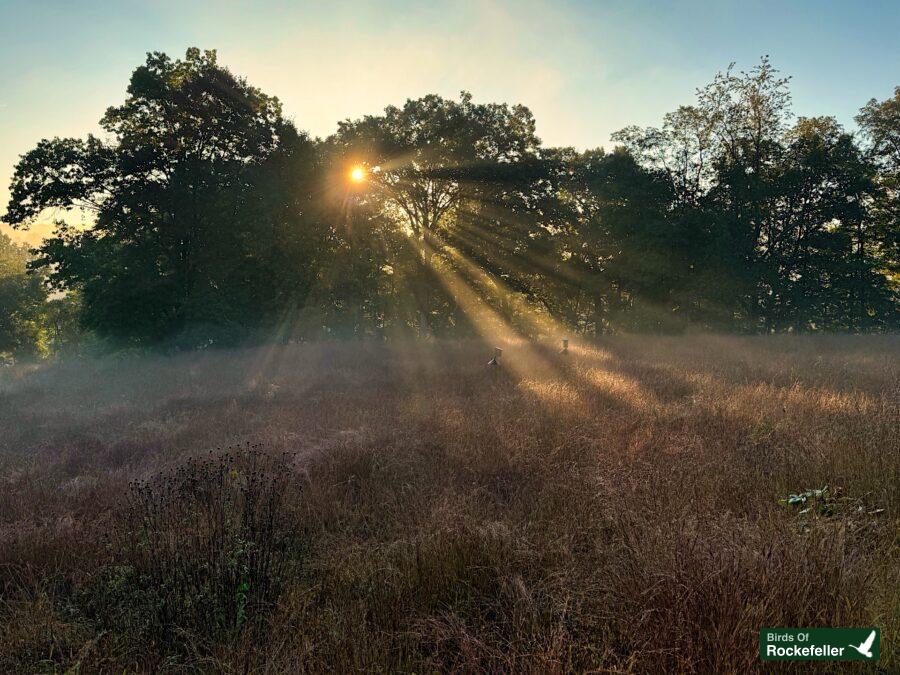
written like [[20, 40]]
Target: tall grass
[[617, 508], [203, 548]]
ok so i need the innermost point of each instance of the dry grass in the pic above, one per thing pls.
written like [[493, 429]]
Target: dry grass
[[614, 509]]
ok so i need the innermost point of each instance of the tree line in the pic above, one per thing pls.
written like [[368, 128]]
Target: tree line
[[215, 220]]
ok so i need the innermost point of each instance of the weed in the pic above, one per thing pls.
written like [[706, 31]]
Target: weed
[[204, 547]]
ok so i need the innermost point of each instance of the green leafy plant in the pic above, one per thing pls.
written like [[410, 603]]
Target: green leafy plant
[[821, 499]]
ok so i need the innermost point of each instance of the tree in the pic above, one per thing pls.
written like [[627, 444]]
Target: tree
[[443, 170], [879, 123], [215, 219], [625, 247], [202, 206], [425, 158], [22, 299], [777, 222], [819, 242]]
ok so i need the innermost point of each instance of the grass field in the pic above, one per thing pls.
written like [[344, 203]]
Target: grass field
[[406, 507]]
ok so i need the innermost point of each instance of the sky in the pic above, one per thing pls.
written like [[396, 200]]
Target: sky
[[586, 69]]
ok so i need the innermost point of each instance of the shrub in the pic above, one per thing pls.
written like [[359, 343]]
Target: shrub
[[203, 548]]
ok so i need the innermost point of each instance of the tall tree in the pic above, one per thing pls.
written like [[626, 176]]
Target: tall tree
[[454, 174], [428, 156], [779, 216], [202, 204], [879, 123], [215, 218]]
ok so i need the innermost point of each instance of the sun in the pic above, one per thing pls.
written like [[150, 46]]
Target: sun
[[357, 174]]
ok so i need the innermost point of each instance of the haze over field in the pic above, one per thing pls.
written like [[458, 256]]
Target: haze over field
[[622, 507]]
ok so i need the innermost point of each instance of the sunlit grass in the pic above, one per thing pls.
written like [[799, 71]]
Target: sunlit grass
[[549, 515]]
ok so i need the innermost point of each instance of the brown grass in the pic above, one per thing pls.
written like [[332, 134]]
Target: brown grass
[[613, 509]]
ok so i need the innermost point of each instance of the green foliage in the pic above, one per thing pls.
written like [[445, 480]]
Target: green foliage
[[216, 221], [433, 154], [828, 502], [781, 219], [22, 306], [880, 126], [201, 203], [820, 497]]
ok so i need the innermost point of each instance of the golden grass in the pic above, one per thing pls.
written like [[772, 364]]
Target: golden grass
[[615, 508]]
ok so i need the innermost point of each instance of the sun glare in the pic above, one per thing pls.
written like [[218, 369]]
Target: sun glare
[[357, 174]]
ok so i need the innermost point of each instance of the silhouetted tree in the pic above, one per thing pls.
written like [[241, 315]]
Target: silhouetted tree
[[781, 215], [880, 126], [202, 203], [216, 220]]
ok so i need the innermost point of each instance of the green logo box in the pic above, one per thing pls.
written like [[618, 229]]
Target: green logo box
[[819, 644]]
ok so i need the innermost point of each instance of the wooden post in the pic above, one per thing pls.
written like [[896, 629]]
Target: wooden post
[[497, 353]]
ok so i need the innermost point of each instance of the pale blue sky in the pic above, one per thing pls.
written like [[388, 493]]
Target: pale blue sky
[[586, 69]]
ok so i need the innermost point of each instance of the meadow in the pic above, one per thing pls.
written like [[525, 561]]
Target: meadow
[[402, 506]]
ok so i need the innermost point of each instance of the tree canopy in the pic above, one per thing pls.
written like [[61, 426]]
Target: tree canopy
[[215, 219]]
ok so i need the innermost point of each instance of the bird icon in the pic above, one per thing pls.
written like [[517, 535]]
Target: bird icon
[[866, 647]]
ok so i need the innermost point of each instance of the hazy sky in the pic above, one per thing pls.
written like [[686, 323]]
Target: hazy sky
[[585, 69]]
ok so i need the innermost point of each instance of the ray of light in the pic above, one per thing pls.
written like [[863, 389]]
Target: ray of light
[[595, 367], [523, 359]]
